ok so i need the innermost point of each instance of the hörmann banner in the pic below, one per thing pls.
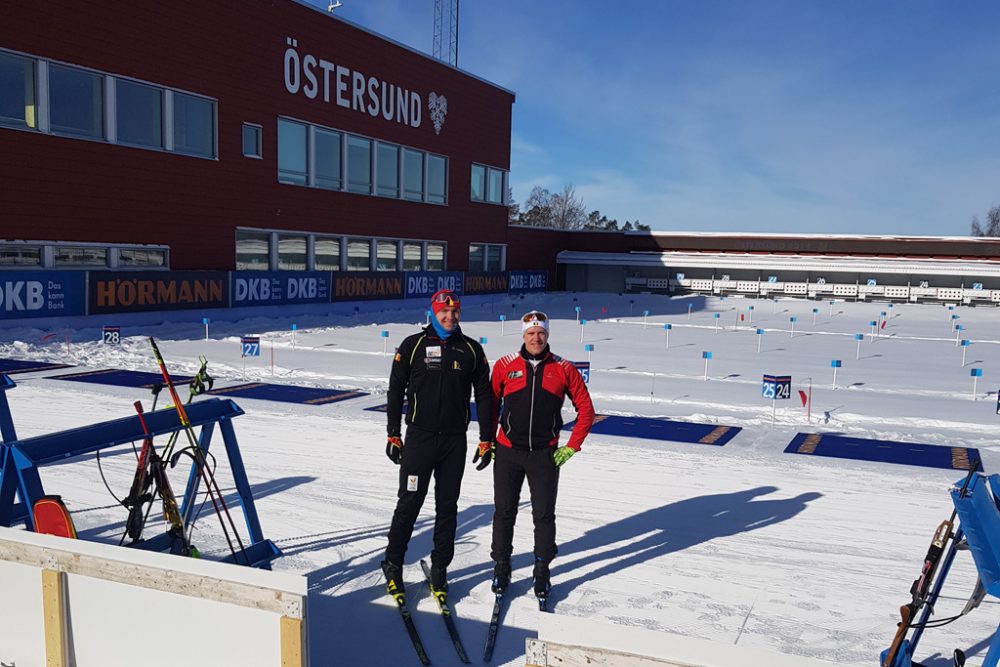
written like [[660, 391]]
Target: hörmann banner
[[527, 281], [425, 283], [115, 292], [485, 283], [361, 285], [263, 288], [42, 294]]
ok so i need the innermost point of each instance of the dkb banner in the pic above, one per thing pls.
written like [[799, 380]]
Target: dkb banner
[[425, 283], [485, 283], [120, 291], [528, 281], [262, 288], [357, 285], [42, 294]]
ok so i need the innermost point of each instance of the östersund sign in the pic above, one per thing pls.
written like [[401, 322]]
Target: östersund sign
[[317, 78]]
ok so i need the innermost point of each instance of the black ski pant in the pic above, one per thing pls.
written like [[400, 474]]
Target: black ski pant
[[510, 467], [426, 453]]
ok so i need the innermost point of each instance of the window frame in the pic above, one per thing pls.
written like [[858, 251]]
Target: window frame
[[259, 131]]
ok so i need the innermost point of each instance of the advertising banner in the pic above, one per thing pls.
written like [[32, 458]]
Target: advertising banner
[[362, 285], [121, 291], [265, 288], [486, 283], [425, 283], [42, 294], [528, 281]]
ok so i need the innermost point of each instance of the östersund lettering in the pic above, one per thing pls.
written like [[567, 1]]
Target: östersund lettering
[[351, 89]]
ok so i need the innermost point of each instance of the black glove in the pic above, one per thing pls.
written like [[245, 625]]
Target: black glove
[[394, 449], [485, 452]]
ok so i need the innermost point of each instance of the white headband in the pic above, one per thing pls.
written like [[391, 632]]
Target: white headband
[[534, 322]]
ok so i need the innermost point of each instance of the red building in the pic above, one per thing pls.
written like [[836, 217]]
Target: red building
[[208, 135]]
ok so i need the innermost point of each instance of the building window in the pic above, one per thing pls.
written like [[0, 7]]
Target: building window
[[435, 257], [359, 252], [327, 253], [291, 252], [494, 258], [385, 255], [20, 255], [387, 166], [252, 140], [76, 102], [359, 165], [252, 251], [80, 256], [328, 159], [413, 175], [17, 91], [494, 186], [133, 257], [477, 256], [291, 152], [139, 114], [437, 169], [194, 125], [478, 183], [412, 252]]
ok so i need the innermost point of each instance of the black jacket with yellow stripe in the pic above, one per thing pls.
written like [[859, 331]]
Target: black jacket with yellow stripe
[[436, 376]]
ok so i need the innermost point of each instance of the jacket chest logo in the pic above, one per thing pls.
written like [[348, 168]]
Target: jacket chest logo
[[513, 375]]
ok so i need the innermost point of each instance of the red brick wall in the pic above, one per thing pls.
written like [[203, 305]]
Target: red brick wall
[[56, 188]]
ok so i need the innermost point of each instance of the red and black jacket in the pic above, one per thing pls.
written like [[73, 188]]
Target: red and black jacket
[[531, 399]]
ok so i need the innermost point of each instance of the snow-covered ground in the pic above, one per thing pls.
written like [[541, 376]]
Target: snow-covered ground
[[740, 544]]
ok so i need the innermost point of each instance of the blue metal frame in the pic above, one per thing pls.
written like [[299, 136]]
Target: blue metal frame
[[979, 516], [10, 511], [22, 458]]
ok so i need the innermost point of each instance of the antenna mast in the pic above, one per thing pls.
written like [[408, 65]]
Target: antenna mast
[[448, 53]]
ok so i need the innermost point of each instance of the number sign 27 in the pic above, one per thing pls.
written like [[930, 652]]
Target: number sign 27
[[251, 346]]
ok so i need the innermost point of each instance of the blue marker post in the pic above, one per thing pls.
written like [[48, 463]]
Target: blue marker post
[[859, 338], [882, 319], [976, 373], [428, 314], [815, 313], [835, 364], [204, 321], [716, 317], [294, 329], [706, 356], [385, 342], [959, 328], [357, 312], [831, 309], [792, 319], [666, 330], [631, 302], [503, 318], [873, 324], [645, 314], [483, 341], [589, 347], [750, 316], [583, 327], [577, 309], [965, 347], [690, 306], [953, 318], [760, 338]]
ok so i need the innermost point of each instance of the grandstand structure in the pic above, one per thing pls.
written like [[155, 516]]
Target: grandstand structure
[[959, 270]]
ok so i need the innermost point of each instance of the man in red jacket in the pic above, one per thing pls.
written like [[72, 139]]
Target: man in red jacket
[[529, 388]]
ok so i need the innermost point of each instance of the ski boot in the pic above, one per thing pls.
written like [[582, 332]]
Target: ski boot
[[393, 579], [501, 577], [542, 584], [439, 580]]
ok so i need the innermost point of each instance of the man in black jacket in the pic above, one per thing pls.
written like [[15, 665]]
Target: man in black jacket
[[436, 371]]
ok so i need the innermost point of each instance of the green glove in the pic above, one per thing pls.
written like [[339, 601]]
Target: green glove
[[562, 454]]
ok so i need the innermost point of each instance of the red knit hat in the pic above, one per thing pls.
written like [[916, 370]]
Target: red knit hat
[[443, 298]]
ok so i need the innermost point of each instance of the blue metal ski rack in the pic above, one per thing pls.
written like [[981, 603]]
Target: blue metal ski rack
[[978, 512], [22, 458]]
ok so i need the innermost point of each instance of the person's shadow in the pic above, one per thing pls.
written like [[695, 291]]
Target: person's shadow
[[666, 529]]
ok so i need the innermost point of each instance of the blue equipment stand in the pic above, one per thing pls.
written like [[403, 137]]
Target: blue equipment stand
[[22, 458], [978, 511], [10, 511]]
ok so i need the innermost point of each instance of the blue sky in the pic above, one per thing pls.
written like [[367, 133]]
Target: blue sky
[[813, 116]]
